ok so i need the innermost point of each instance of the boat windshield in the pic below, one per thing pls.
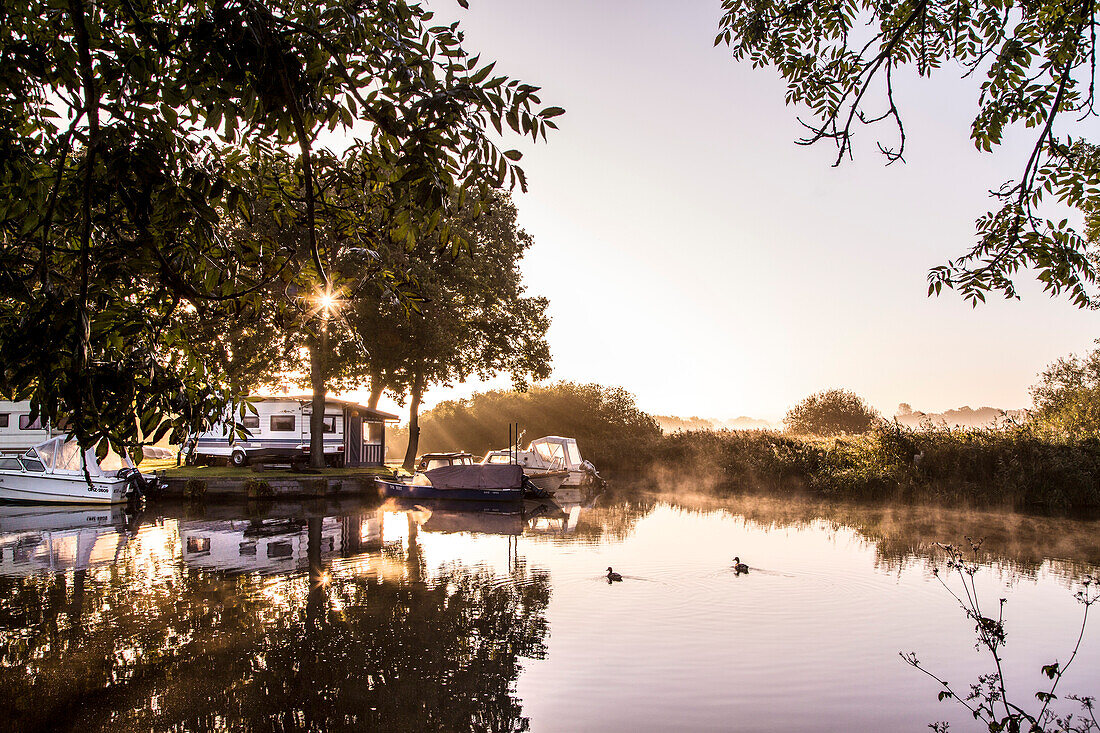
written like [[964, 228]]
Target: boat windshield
[[59, 455], [550, 452], [574, 453]]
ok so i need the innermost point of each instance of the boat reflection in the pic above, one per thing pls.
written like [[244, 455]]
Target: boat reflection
[[53, 539]]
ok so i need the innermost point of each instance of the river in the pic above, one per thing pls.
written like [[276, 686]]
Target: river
[[349, 615]]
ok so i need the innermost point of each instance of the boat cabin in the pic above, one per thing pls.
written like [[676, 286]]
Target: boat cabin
[[430, 461], [355, 435]]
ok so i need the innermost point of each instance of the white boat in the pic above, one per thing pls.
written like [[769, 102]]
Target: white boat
[[550, 454], [52, 472], [549, 480]]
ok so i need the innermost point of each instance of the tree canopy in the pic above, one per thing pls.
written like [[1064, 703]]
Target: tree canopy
[[830, 412], [135, 135], [1037, 60], [473, 316], [1067, 397]]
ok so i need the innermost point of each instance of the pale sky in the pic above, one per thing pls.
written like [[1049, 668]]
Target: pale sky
[[696, 256]]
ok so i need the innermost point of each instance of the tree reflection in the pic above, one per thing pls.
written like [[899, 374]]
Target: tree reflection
[[368, 642], [903, 533]]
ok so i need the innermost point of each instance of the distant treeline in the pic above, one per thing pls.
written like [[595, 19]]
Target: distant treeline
[[610, 429], [1013, 466]]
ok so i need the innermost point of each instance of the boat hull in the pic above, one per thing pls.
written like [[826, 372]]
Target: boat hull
[[548, 481], [398, 490], [20, 487]]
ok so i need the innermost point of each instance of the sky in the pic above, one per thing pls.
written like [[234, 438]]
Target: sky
[[695, 255]]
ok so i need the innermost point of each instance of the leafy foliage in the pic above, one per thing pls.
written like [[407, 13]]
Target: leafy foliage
[[830, 412], [610, 429], [1067, 398], [135, 136], [473, 317], [1038, 60], [990, 700]]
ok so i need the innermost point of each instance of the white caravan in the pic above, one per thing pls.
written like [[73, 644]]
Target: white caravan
[[354, 434], [17, 431]]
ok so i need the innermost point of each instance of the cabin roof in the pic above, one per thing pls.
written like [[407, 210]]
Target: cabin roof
[[369, 413]]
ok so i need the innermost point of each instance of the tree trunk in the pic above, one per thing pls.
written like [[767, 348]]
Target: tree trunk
[[317, 375], [414, 425], [376, 388]]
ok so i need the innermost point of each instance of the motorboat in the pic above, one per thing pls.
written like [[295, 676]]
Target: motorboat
[[549, 480], [465, 482], [57, 471], [548, 454], [429, 461]]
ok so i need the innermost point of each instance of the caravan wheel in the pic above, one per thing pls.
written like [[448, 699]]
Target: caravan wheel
[[239, 458]]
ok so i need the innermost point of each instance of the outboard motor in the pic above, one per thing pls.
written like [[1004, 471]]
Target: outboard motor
[[139, 484], [592, 476]]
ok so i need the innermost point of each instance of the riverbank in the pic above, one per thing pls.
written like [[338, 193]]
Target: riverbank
[[1008, 467], [228, 482]]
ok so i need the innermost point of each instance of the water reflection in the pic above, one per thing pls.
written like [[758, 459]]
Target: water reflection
[[325, 616], [274, 622]]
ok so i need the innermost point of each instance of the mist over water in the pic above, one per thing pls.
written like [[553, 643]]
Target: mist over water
[[356, 615]]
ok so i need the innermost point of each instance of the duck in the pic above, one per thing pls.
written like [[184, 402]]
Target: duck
[[612, 576], [738, 566]]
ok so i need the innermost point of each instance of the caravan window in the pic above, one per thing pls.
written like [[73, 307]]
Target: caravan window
[[252, 422], [26, 424], [3, 419], [329, 424], [375, 432], [282, 423]]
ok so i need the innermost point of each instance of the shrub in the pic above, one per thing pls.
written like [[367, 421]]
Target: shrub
[[258, 489], [831, 412], [195, 488]]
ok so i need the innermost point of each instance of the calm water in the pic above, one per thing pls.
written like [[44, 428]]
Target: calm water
[[340, 616]]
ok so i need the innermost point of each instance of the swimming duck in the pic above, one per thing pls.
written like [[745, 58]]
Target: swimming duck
[[613, 576], [738, 566]]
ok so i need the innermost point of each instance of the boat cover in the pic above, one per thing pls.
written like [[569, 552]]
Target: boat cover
[[472, 477]]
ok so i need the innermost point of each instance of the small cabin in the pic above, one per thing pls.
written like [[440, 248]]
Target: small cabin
[[18, 431], [429, 461], [355, 435]]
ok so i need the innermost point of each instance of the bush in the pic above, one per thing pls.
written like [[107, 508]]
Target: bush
[[258, 489], [194, 488], [831, 412]]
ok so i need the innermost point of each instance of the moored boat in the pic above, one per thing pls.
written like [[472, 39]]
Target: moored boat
[[550, 456], [469, 483], [53, 472]]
